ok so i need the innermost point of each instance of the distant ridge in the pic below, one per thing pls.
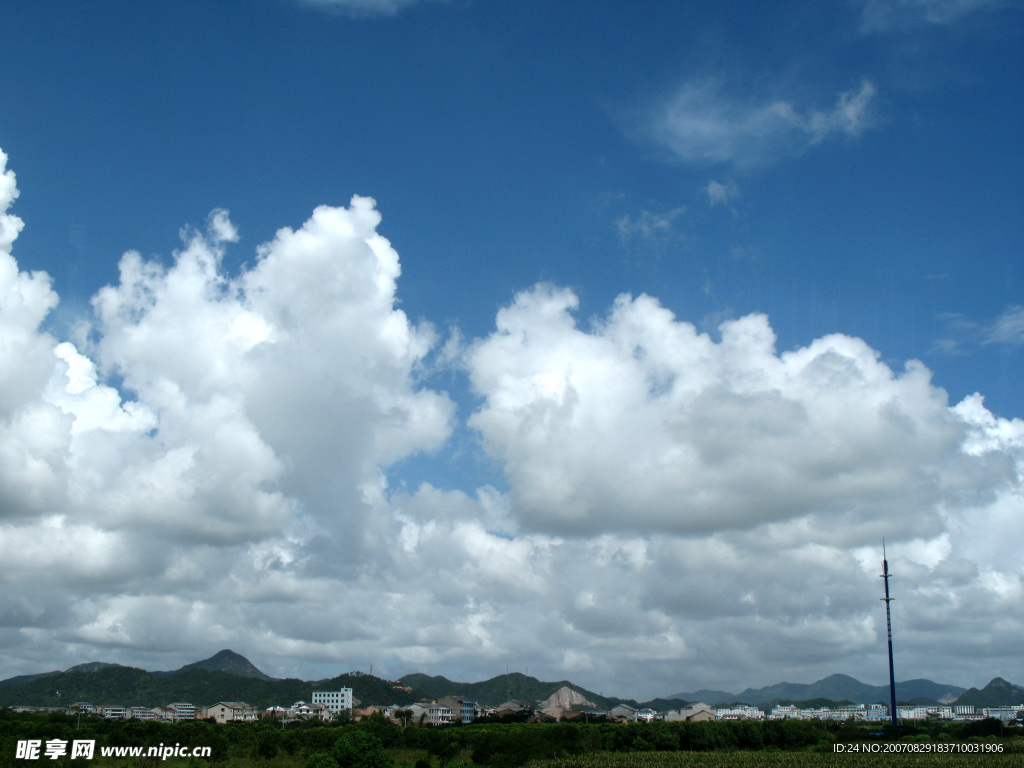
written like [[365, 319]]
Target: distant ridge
[[91, 666], [226, 661], [997, 692], [500, 689], [228, 675], [834, 688], [127, 686], [23, 679]]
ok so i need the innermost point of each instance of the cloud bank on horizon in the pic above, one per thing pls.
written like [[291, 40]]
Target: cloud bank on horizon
[[206, 463]]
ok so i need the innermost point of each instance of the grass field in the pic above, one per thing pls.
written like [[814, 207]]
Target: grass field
[[778, 760]]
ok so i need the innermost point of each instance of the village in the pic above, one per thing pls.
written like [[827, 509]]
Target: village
[[565, 705]]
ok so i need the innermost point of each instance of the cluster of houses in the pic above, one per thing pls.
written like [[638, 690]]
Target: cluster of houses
[[874, 712], [563, 706], [222, 712]]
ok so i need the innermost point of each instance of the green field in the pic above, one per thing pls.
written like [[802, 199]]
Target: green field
[[377, 743], [777, 760]]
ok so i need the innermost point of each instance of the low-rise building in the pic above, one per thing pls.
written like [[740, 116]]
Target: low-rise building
[[623, 713], [304, 711], [231, 711], [694, 713], [514, 707], [463, 709], [431, 714]]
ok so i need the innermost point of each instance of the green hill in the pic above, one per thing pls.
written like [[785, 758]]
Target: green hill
[[997, 693], [226, 661], [128, 686], [832, 688], [498, 690]]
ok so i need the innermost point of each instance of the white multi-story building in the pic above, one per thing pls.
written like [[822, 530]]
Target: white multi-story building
[[741, 712], [431, 714], [1004, 713], [915, 713], [335, 701], [463, 710], [838, 712], [181, 710], [438, 714]]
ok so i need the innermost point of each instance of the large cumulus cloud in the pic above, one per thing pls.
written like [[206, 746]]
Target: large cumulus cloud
[[215, 452], [644, 424], [254, 413], [745, 491]]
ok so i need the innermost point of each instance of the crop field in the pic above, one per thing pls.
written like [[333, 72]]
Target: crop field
[[778, 760]]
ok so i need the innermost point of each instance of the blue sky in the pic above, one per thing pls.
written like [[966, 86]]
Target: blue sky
[[579, 197]]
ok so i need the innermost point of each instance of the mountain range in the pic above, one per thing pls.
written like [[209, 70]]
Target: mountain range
[[226, 676], [229, 676], [834, 688]]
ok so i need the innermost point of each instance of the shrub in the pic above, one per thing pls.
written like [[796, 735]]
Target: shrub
[[359, 749]]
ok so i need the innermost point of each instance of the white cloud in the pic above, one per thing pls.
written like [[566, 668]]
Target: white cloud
[[645, 424], [648, 227], [886, 15], [966, 335], [722, 193], [730, 459], [362, 7], [680, 510], [1008, 328], [702, 124]]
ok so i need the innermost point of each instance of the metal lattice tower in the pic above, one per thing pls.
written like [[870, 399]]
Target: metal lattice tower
[[888, 627]]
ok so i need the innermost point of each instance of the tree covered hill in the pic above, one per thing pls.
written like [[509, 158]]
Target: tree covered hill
[[226, 661], [997, 693], [497, 690], [128, 686], [833, 688]]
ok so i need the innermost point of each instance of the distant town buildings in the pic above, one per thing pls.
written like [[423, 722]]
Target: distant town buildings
[[448, 710]]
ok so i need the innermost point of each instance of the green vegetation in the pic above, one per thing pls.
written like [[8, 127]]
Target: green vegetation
[[774, 760], [997, 693], [130, 687], [376, 743]]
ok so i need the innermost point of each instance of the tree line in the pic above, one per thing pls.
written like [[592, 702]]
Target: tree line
[[371, 742]]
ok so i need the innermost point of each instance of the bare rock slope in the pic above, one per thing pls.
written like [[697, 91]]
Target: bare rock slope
[[566, 698]]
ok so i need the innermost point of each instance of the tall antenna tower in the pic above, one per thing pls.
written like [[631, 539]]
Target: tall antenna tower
[[888, 627]]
